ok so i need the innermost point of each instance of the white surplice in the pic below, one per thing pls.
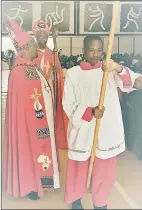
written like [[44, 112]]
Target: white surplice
[[82, 90]]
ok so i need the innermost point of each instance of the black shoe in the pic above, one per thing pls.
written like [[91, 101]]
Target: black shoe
[[33, 196], [103, 207], [77, 204]]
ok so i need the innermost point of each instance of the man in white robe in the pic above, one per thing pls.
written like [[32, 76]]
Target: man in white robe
[[80, 102]]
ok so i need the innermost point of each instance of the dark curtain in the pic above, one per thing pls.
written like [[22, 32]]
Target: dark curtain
[[132, 119]]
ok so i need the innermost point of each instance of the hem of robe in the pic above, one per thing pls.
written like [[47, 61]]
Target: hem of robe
[[28, 191], [101, 184], [76, 197], [102, 155]]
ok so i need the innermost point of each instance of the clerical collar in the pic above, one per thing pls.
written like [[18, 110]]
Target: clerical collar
[[42, 50], [87, 66]]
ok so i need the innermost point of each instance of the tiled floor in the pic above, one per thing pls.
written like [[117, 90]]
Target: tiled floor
[[126, 194]]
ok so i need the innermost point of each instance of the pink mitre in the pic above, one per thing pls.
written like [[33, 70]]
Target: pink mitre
[[19, 37], [41, 25]]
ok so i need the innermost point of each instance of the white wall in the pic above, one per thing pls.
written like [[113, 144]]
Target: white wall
[[7, 44], [115, 44], [64, 43], [77, 45], [138, 45], [126, 44]]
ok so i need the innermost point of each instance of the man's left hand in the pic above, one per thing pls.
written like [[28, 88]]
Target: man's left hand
[[112, 66]]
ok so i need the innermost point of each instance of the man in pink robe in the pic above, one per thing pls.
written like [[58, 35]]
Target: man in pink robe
[[104, 170], [46, 60], [30, 158]]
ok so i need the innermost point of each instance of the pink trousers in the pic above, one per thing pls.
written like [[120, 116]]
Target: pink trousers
[[103, 178]]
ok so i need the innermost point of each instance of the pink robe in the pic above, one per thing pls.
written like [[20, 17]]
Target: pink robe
[[27, 136], [103, 178], [61, 118]]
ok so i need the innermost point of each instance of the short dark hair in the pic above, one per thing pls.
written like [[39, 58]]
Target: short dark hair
[[91, 37]]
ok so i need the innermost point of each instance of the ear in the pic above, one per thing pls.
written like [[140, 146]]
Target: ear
[[26, 48], [102, 57]]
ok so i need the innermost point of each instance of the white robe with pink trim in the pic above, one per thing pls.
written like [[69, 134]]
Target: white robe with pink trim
[[82, 90]]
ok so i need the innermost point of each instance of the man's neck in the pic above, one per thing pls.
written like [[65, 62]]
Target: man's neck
[[41, 48], [94, 63]]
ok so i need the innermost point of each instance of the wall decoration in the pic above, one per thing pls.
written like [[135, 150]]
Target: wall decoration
[[21, 12], [131, 17], [73, 18], [94, 17], [60, 14]]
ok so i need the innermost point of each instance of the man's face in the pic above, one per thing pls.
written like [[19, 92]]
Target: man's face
[[33, 50], [94, 51], [42, 38]]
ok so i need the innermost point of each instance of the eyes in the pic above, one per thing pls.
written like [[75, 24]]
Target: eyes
[[98, 50], [91, 50]]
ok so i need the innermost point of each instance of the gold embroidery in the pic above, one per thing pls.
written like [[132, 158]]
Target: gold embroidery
[[37, 106], [45, 162], [35, 96], [47, 181], [31, 74], [43, 133], [47, 67]]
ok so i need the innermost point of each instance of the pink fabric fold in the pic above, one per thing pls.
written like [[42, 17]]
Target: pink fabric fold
[[126, 78], [87, 116]]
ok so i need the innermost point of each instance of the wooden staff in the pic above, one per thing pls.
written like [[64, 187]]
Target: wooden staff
[[54, 35], [103, 88]]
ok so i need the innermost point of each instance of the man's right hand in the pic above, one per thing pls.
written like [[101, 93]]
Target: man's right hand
[[98, 113]]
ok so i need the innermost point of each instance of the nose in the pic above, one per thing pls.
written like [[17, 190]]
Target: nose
[[95, 53]]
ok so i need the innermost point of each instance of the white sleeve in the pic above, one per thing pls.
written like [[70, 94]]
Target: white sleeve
[[73, 109], [119, 82]]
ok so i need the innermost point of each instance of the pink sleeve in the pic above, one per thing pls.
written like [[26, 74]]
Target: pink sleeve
[[125, 77], [87, 116]]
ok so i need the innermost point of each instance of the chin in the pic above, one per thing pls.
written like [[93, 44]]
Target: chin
[[94, 62], [42, 45]]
